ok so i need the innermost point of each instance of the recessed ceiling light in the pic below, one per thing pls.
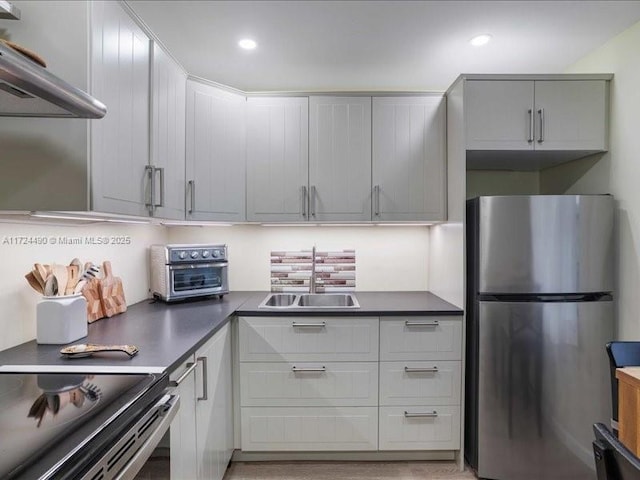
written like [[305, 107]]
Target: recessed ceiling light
[[480, 40], [247, 44]]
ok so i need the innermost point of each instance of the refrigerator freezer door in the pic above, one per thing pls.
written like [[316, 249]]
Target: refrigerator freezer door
[[545, 244], [543, 382]]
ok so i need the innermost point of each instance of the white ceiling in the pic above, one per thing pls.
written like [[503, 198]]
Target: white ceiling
[[378, 45]]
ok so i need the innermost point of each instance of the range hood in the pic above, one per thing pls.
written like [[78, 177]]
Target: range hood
[[29, 90]]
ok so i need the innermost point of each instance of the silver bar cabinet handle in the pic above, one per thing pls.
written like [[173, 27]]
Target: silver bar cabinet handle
[[190, 368], [433, 369], [205, 395], [161, 170], [309, 325], [432, 414], [192, 192], [308, 369], [376, 202], [531, 121], [149, 169], [428, 323], [312, 200], [541, 133], [304, 201]]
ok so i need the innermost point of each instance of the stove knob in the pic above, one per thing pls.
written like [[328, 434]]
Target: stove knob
[[182, 255], [205, 254], [194, 254]]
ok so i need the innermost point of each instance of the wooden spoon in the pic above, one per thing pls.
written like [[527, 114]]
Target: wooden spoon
[[40, 273], [72, 279], [35, 284], [51, 286], [61, 276]]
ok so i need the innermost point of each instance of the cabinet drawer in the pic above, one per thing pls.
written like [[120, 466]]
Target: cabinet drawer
[[420, 428], [309, 384], [309, 339], [421, 338], [309, 428], [420, 383]]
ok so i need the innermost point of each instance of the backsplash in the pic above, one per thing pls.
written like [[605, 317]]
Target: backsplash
[[335, 271]]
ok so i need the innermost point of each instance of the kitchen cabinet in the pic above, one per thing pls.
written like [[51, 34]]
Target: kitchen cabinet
[[277, 159], [202, 436], [308, 383], [215, 153], [339, 158], [420, 383], [537, 115], [168, 84], [409, 158], [120, 63]]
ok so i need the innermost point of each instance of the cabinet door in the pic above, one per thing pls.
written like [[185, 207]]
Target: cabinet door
[[277, 159], [215, 153], [182, 434], [167, 135], [119, 141], [409, 158], [571, 115], [498, 114], [340, 158], [212, 406]]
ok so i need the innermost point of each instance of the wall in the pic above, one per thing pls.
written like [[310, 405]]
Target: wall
[[502, 182], [618, 172], [47, 154], [387, 257], [18, 301]]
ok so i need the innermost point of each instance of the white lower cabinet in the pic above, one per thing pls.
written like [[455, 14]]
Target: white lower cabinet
[[309, 428], [202, 435], [420, 428]]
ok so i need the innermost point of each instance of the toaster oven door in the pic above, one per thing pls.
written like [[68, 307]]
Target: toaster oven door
[[198, 279]]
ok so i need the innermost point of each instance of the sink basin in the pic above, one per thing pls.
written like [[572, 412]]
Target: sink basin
[[278, 300], [310, 300], [328, 300]]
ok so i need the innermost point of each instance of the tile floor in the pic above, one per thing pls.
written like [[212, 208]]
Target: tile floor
[[157, 468]]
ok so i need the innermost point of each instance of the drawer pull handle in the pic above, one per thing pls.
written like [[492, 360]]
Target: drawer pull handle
[[430, 323], [420, 414], [309, 369], [190, 368], [309, 325], [421, 369]]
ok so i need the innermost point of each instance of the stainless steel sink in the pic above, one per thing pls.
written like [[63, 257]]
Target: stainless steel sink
[[310, 300], [328, 300], [278, 300]]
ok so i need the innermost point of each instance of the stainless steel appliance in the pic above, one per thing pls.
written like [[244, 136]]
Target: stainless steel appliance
[[187, 271], [539, 312], [61, 426]]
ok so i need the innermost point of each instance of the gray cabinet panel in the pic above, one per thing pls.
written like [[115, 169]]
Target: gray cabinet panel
[[277, 159], [340, 158], [409, 158], [215, 154], [119, 141]]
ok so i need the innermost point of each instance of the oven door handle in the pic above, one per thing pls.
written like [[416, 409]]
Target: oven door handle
[[131, 469], [198, 265]]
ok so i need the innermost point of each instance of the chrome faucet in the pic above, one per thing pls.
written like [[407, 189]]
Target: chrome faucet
[[312, 280]]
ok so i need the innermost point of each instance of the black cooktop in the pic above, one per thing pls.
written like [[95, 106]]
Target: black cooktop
[[53, 423]]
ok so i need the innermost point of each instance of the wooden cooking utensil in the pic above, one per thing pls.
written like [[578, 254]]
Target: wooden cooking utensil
[[60, 273], [40, 273], [35, 284], [72, 280], [51, 286], [111, 292]]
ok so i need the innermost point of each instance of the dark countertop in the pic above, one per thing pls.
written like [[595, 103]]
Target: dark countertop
[[167, 334]]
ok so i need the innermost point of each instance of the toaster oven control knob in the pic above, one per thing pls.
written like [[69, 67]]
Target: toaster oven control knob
[[205, 254], [194, 254], [216, 254], [182, 255]]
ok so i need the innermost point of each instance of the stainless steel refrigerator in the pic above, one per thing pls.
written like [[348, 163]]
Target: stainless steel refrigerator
[[539, 313]]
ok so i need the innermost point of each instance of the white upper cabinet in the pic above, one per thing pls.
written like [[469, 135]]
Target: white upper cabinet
[[409, 158], [120, 141], [215, 154], [340, 158], [541, 115], [168, 135], [277, 159]]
